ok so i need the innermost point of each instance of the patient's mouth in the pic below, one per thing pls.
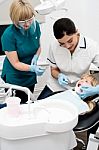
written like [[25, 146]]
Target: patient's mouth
[[79, 84]]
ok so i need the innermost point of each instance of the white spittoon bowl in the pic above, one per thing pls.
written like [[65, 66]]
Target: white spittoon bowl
[[46, 116], [62, 115]]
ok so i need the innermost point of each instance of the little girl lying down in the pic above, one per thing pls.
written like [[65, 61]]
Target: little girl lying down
[[73, 96], [86, 79], [90, 80]]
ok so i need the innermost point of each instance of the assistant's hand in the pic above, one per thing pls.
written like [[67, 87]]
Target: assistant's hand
[[88, 91], [34, 60], [39, 71], [62, 79]]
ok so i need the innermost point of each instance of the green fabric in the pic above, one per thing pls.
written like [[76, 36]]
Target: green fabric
[[26, 46]]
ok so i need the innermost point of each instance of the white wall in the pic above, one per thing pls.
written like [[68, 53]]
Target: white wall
[[84, 12], [4, 11], [86, 15]]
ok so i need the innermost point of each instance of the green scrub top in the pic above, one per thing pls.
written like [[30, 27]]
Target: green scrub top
[[26, 46]]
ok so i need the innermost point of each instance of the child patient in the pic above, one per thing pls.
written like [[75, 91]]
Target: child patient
[[86, 79], [72, 96], [90, 80]]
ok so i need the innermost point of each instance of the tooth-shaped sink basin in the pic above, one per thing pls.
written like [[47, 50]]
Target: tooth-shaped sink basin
[[45, 116]]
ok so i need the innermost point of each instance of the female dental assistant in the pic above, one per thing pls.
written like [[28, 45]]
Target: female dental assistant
[[70, 56], [21, 43]]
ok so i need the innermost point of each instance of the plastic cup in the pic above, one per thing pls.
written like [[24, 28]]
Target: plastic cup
[[13, 106]]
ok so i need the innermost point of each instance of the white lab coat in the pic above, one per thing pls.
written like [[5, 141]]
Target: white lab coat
[[86, 52]]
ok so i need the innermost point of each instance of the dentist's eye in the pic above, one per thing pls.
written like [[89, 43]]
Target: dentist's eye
[[70, 41]]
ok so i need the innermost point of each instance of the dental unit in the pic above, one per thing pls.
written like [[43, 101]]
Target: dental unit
[[44, 124]]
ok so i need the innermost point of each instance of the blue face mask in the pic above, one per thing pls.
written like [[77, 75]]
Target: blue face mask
[[32, 29]]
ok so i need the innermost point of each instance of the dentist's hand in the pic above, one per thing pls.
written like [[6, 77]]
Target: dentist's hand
[[34, 60], [88, 91], [39, 71], [62, 79]]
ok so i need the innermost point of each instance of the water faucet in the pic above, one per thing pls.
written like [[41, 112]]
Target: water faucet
[[16, 87]]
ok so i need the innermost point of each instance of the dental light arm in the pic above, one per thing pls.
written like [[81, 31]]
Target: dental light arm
[[47, 6]]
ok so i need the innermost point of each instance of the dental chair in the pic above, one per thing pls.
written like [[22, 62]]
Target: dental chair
[[93, 143], [87, 122]]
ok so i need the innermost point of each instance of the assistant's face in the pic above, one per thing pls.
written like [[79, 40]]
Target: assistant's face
[[26, 23], [69, 41]]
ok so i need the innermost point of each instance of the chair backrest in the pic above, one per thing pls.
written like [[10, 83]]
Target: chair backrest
[[87, 121], [2, 28]]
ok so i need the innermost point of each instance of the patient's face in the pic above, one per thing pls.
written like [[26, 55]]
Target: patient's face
[[83, 81]]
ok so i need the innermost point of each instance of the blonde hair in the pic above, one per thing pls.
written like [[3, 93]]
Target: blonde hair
[[21, 10], [93, 80], [89, 100]]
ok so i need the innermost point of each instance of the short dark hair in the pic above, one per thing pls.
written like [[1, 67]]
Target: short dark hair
[[63, 26]]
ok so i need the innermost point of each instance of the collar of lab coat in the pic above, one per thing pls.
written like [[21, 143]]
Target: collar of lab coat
[[82, 42]]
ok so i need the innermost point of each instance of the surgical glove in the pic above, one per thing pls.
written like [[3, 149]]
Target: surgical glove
[[34, 60], [62, 79], [39, 71], [88, 91]]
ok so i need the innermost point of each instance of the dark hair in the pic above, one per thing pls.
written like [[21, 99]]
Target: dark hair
[[63, 26]]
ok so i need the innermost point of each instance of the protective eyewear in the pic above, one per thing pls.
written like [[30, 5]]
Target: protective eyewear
[[28, 21]]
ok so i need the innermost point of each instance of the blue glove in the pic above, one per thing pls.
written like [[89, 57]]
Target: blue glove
[[34, 60], [88, 91], [39, 71], [62, 79]]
